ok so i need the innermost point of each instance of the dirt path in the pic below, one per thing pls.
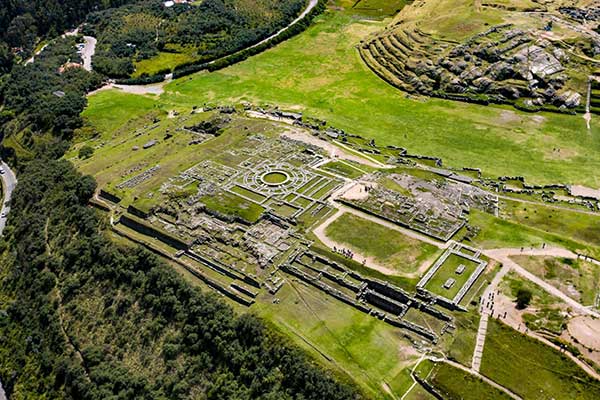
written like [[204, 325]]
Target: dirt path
[[503, 256], [154, 89], [334, 151]]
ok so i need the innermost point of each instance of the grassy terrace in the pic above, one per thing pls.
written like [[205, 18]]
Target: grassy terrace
[[388, 247], [532, 369]]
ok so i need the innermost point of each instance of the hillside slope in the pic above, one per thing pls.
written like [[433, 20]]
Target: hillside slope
[[533, 54]]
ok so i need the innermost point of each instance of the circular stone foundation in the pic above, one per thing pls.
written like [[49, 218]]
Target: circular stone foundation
[[275, 178]]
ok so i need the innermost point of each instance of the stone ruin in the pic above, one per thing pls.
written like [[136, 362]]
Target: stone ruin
[[437, 208], [374, 297], [500, 65], [460, 250]]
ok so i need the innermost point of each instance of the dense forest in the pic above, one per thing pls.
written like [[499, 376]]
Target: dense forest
[[204, 31], [22, 22], [85, 317]]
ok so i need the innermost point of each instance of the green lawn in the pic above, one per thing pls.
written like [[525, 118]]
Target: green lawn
[[448, 270], [390, 248], [573, 224], [110, 110], [497, 233], [232, 205], [531, 369], [456, 384], [346, 169], [341, 337]]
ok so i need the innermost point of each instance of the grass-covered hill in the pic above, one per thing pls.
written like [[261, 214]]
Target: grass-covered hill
[[148, 37], [531, 53]]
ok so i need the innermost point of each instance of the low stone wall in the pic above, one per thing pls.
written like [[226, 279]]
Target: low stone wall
[[140, 226], [109, 196]]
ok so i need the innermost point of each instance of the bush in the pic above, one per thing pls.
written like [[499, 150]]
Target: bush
[[523, 298], [86, 152]]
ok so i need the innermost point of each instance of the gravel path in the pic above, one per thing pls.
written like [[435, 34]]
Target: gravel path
[[88, 52], [503, 256], [9, 181]]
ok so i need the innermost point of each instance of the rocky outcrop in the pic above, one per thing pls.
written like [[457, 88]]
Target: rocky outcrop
[[503, 64]]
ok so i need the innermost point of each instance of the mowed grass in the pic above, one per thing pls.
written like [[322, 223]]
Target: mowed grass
[[231, 205], [531, 369], [447, 271], [576, 225], [497, 233], [109, 110], [320, 73], [341, 337], [456, 384], [390, 248]]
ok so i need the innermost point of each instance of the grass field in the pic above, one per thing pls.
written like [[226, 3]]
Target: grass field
[[320, 72], [345, 169], [448, 270], [576, 278], [579, 226], [161, 62], [378, 8], [369, 350], [456, 384], [531, 369], [232, 205], [496, 233], [389, 247]]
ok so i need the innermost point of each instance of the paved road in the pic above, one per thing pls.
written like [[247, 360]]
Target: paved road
[[9, 181], [88, 52]]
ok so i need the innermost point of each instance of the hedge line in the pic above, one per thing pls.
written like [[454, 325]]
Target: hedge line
[[194, 66]]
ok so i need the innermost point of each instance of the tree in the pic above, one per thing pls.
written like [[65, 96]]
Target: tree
[[523, 298], [86, 152]]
